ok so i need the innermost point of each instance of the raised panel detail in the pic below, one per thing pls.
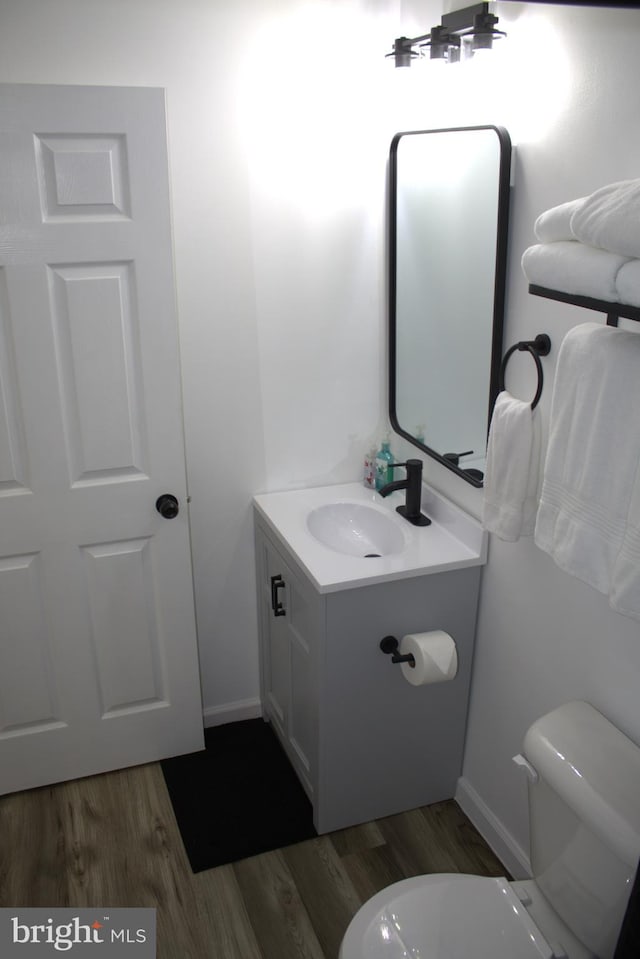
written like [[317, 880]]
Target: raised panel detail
[[99, 368], [13, 465], [28, 701], [82, 177], [126, 634]]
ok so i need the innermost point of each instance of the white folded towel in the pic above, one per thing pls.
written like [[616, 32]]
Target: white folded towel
[[572, 267], [628, 283], [610, 218], [511, 476], [590, 489], [555, 224]]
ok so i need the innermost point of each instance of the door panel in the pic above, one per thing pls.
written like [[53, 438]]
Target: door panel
[[82, 177], [13, 472], [97, 351], [125, 628], [27, 693]]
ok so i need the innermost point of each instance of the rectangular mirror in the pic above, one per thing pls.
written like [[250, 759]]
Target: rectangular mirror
[[449, 207]]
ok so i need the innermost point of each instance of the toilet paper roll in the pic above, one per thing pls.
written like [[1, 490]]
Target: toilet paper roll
[[435, 655]]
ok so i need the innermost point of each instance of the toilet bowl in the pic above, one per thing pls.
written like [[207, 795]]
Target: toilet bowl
[[584, 798]]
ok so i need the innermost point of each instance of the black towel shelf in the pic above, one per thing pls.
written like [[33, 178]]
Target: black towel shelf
[[613, 310]]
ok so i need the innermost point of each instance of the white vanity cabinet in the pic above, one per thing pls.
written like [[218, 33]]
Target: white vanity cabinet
[[364, 742]]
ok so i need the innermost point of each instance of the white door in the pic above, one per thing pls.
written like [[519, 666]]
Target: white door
[[98, 656]]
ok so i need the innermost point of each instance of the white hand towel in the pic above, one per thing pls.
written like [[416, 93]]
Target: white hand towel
[[555, 224], [591, 467], [572, 267], [610, 218], [624, 594], [511, 477]]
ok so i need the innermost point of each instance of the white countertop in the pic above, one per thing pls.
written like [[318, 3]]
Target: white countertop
[[454, 539]]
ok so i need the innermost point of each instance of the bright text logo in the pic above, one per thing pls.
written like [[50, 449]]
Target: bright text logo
[[83, 932]]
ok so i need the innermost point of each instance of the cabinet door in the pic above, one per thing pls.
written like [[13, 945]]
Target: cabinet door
[[277, 668], [292, 617]]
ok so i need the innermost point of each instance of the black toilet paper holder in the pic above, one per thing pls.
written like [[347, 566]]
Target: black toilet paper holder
[[390, 646]]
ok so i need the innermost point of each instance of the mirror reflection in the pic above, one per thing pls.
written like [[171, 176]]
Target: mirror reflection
[[449, 197]]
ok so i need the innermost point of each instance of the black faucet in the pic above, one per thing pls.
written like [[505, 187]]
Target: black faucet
[[413, 486]]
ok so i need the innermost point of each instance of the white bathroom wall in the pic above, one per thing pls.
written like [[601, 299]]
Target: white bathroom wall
[[278, 120], [544, 637], [568, 95]]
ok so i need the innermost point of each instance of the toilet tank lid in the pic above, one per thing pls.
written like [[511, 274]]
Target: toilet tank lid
[[595, 769]]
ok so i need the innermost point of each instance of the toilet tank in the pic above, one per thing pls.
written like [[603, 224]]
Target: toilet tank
[[584, 820]]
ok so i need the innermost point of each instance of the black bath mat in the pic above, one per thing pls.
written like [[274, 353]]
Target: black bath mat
[[238, 797]]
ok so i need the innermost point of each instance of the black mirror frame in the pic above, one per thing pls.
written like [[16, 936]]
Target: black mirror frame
[[502, 226]]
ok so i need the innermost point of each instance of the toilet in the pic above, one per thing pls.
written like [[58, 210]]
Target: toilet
[[584, 813]]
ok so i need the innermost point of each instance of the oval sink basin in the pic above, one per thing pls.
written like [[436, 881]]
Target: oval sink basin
[[355, 529]]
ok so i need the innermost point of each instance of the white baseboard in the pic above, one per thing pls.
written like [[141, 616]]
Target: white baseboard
[[232, 712], [508, 851]]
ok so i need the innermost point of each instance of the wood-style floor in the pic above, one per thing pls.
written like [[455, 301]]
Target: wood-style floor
[[112, 840]]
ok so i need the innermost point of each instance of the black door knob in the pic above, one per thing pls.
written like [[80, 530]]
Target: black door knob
[[167, 506]]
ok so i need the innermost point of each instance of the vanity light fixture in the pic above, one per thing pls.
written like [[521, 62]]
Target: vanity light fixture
[[474, 27]]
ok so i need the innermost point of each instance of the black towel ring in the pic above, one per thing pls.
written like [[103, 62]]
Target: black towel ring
[[537, 348]]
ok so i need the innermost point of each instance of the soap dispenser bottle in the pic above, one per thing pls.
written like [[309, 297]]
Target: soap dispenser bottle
[[384, 457], [369, 477]]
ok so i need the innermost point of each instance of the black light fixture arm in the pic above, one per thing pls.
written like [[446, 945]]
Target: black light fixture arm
[[414, 41]]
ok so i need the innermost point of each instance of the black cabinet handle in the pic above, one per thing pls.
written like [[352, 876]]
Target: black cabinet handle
[[277, 583]]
